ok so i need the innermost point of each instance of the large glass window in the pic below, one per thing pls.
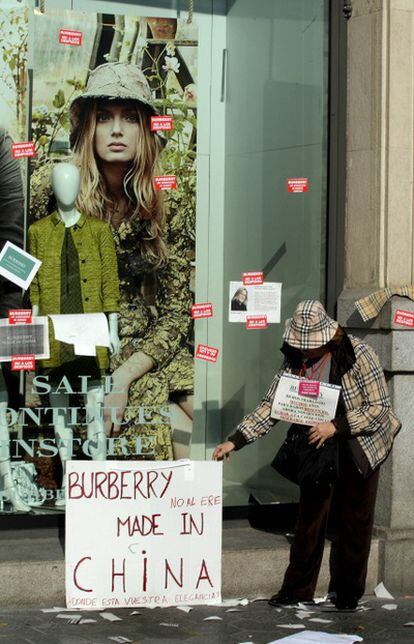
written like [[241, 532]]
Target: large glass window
[[276, 129]]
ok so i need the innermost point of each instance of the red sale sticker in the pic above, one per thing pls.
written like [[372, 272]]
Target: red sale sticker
[[22, 150], [256, 322], [204, 352], [166, 182], [20, 316], [249, 279], [298, 185], [405, 318], [203, 310], [309, 388], [70, 37], [161, 123], [23, 363]]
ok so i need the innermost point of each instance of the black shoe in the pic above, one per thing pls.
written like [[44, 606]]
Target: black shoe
[[282, 599], [346, 603]]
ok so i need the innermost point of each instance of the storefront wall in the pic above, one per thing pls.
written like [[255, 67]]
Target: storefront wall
[[379, 241]]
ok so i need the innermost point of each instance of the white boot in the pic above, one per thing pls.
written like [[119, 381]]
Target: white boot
[[6, 477], [96, 428]]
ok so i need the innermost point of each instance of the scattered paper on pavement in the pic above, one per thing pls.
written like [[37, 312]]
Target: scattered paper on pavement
[[213, 617], [119, 638], [305, 607], [110, 617], [381, 592], [184, 609], [87, 620], [69, 616], [294, 627], [318, 637], [234, 610], [303, 614], [169, 625], [232, 603], [390, 606], [135, 612], [409, 624], [320, 620]]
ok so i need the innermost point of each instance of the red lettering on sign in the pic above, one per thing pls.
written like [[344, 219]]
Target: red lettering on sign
[[23, 363], [298, 185], [168, 570], [70, 37], [250, 279], [118, 574], [256, 322], [20, 316], [204, 310], [203, 575], [165, 182], [160, 123], [405, 318], [204, 352], [75, 575], [22, 150]]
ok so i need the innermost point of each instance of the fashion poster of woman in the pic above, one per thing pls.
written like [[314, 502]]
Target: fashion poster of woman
[[115, 96]]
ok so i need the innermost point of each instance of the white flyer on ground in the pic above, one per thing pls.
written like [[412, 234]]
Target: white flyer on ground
[[84, 330], [292, 407], [255, 300]]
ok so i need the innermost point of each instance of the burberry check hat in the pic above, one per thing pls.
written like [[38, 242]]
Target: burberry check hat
[[310, 327]]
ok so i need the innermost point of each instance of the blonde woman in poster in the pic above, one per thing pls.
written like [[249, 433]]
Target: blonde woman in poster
[[119, 157]]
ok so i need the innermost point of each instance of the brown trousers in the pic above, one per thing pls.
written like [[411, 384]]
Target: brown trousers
[[352, 504]]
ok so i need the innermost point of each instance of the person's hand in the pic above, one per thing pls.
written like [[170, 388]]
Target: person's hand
[[115, 403], [320, 433], [223, 450]]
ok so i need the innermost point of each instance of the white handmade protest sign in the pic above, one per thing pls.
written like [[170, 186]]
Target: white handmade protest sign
[[293, 407], [143, 533]]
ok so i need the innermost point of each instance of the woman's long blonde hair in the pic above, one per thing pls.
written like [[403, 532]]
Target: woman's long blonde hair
[[147, 204]]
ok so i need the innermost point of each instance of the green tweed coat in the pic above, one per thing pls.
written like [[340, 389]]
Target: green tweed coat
[[97, 267]]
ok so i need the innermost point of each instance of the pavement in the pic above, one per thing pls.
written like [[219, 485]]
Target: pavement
[[256, 622]]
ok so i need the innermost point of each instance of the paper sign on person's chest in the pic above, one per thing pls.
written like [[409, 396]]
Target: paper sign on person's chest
[[294, 407]]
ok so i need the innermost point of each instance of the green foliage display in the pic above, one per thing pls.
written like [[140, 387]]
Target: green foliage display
[[13, 48]]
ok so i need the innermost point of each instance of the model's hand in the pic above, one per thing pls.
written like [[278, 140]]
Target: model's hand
[[320, 433], [223, 450], [115, 403]]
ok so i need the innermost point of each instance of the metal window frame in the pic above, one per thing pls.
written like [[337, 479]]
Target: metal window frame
[[340, 12]]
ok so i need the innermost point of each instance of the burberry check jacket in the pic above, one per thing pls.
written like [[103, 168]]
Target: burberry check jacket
[[364, 412]]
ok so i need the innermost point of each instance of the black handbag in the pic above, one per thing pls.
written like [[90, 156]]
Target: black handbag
[[304, 464]]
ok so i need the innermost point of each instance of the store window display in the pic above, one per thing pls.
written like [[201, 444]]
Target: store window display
[[119, 157], [118, 154], [78, 275]]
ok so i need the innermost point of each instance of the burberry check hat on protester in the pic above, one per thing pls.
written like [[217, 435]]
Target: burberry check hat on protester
[[310, 327]]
